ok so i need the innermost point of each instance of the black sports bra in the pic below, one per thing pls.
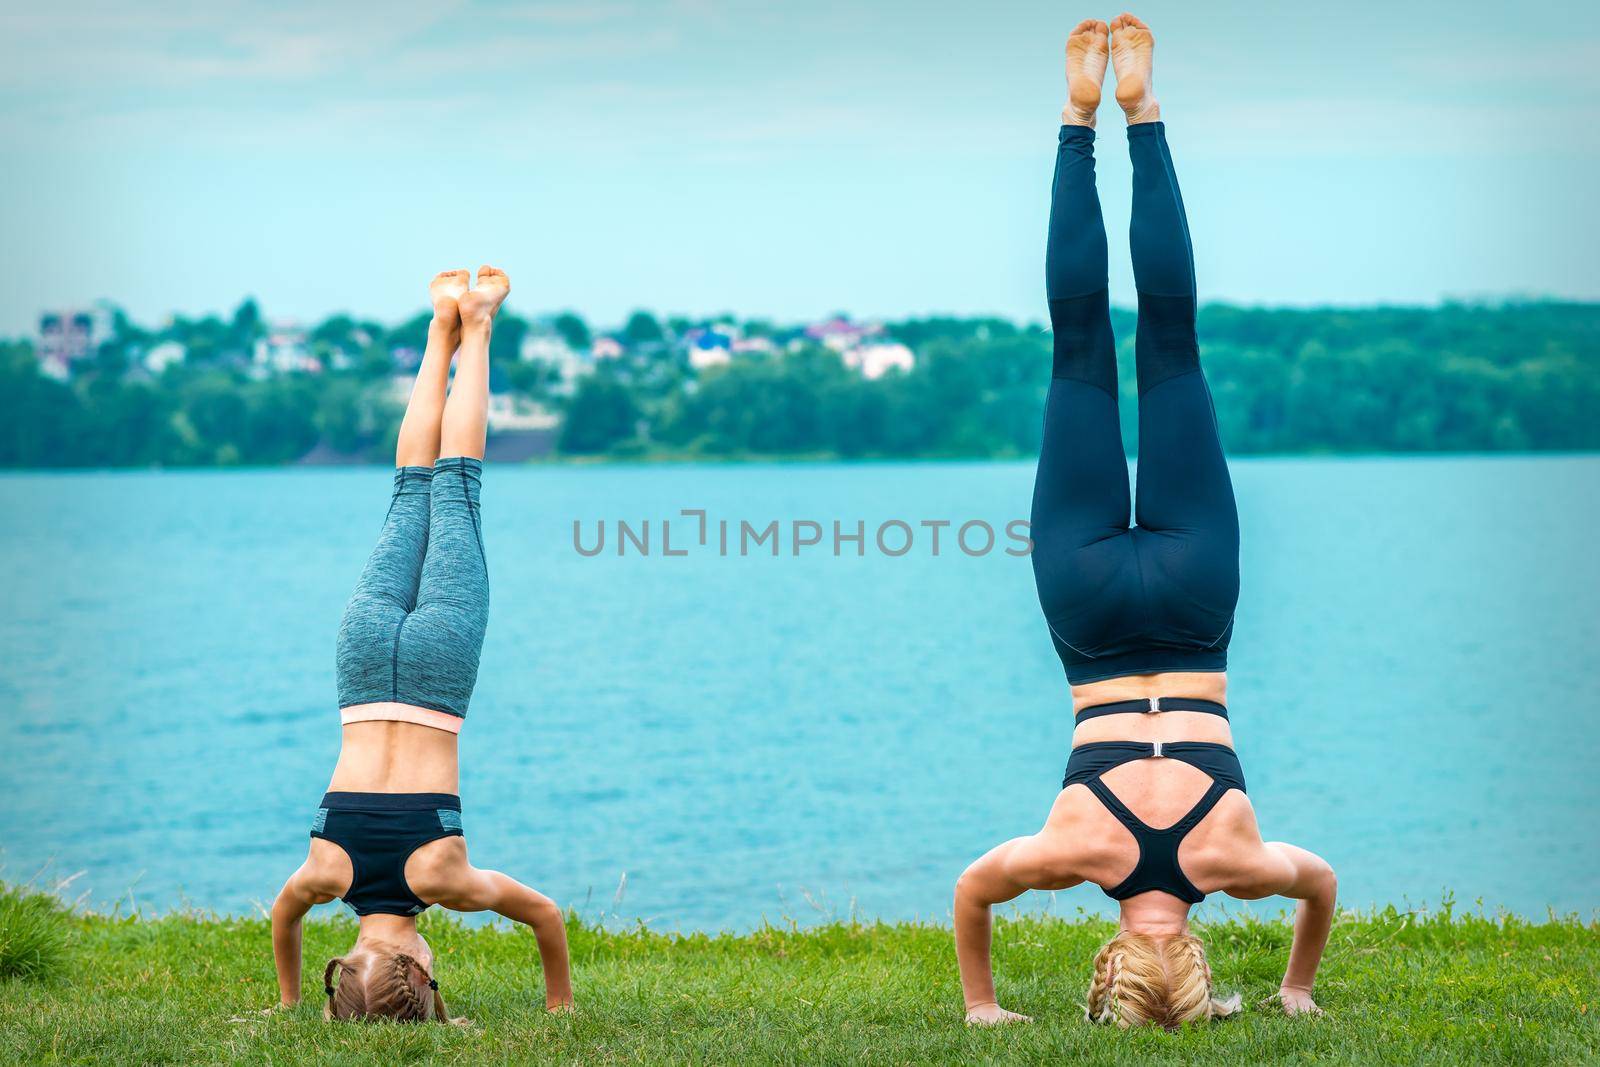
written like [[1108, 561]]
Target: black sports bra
[[1158, 866]]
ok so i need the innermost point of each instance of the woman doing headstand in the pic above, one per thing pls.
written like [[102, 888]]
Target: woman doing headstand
[[1153, 807]]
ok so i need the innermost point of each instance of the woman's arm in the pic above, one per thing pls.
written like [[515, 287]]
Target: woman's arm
[[1312, 882], [492, 891], [294, 900], [1004, 873], [1287, 871]]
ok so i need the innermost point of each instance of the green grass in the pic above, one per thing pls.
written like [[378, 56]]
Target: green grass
[[1398, 987], [33, 934]]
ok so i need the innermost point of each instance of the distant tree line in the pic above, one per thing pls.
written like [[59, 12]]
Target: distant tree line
[[1460, 377]]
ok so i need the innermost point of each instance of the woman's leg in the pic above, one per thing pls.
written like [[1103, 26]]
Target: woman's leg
[[438, 667], [418, 444], [1183, 484], [1183, 476], [1080, 493]]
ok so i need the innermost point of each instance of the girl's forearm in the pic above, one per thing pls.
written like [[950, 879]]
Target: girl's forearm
[[286, 956], [528, 906], [552, 939]]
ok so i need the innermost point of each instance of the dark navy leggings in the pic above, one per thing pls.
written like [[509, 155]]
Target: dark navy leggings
[[1158, 596]]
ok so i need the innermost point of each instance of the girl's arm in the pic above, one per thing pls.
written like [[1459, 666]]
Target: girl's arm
[[492, 891], [1004, 873], [294, 900]]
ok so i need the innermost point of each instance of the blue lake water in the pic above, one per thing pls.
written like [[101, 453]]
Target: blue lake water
[[1413, 684]]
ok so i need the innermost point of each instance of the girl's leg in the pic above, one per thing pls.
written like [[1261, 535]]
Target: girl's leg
[[466, 413], [418, 444], [385, 593], [437, 666], [387, 590], [444, 633], [1080, 493]]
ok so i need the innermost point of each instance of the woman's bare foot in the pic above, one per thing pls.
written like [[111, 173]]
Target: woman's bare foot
[[1132, 48], [1086, 72], [446, 289], [1297, 1002], [478, 306]]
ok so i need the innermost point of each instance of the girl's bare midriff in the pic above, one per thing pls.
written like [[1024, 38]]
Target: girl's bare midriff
[[395, 757], [1167, 726]]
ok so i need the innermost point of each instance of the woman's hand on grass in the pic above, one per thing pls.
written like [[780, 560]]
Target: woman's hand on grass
[[1297, 1002], [993, 1015]]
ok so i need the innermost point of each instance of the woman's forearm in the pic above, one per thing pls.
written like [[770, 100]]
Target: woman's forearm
[[1313, 919]]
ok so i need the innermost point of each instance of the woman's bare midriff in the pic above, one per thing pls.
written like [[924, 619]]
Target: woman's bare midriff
[[396, 757], [1167, 726]]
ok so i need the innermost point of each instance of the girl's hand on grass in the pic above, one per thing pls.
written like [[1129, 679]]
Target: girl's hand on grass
[[993, 1015], [1297, 1002], [561, 1007], [461, 1020]]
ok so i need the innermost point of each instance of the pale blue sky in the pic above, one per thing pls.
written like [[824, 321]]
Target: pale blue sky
[[788, 160]]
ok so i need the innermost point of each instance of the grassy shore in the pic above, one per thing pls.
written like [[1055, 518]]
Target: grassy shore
[[1398, 987]]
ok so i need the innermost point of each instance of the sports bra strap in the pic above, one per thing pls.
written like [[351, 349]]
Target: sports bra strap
[[1201, 809], [1154, 705], [1114, 804], [1189, 821]]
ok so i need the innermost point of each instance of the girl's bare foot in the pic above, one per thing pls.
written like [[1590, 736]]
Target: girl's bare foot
[[478, 306], [1086, 72], [447, 287], [1132, 48]]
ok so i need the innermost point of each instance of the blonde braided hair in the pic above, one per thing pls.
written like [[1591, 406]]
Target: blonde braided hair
[[1142, 981]]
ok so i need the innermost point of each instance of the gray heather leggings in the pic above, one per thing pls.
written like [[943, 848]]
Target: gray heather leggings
[[413, 629]]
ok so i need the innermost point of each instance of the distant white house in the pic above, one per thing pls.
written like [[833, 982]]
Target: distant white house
[[549, 347], [754, 344], [69, 337], [283, 350], [710, 346], [162, 356], [841, 335], [606, 347], [509, 412], [876, 360]]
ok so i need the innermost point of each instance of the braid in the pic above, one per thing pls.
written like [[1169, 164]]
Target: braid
[[1103, 988], [327, 976], [1190, 990], [413, 1007]]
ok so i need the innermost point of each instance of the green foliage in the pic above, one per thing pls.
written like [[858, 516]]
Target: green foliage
[[33, 934], [642, 329], [573, 330], [1453, 378], [602, 414], [1399, 987]]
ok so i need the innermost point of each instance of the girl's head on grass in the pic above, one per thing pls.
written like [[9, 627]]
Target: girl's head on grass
[[376, 980], [1149, 980]]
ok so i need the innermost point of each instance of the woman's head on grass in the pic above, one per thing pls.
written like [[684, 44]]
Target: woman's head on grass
[[1143, 979], [384, 978]]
